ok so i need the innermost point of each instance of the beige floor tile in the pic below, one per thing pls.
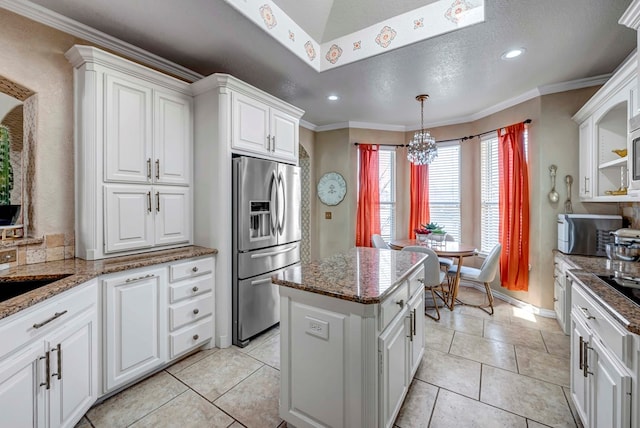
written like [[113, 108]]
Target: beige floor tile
[[492, 352], [501, 311], [257, 341], [191, 359], [83, 423], [525, 318], [216, 374], [460, 322], [572, 407], [542, 365], [453, 410], [268, 352], [534, 424], [123, 409], [254, 401], [522, 395], [514, 334], [437, 338], [190, 409], [451, 372], [237, 424], [557, 343], [417, 407]]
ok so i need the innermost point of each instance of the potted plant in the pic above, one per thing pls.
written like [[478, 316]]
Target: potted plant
[[436, 232]]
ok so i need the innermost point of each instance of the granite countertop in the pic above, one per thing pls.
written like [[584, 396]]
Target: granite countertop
[[619, 306], [362, 275], [80, 271]]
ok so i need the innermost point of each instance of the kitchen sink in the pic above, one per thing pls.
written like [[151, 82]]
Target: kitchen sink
[[10, 288]]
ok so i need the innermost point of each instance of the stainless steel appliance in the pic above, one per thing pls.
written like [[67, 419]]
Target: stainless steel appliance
[[625, 246], [633, 153], [586, 234], [266, 239]]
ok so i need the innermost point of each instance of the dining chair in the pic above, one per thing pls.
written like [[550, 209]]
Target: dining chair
[[433, 276], [446, 262], [378, 242], [485, 275]]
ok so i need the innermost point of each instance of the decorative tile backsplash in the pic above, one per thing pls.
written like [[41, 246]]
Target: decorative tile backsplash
[[50, 248]]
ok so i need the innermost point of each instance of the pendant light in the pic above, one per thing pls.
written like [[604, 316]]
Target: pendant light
[[422, 147]]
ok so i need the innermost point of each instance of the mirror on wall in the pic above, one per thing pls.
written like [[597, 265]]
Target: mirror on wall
[[16, 136]]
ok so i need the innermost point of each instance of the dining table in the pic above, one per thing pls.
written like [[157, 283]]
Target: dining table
[[449, 249]]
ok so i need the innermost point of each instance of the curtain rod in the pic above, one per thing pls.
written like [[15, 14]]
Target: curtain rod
[[452, 139]]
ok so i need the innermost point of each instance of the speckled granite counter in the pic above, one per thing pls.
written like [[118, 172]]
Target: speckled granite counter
[[363, 275], [80, 271], [618, 305]]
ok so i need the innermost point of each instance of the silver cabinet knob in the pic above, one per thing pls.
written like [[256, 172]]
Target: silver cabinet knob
[[196, 337], [195, 269], [194, 289], [196, 311], [400, 303]]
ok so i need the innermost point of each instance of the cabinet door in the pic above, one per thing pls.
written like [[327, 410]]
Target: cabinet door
[[284, 136], [394, 376], [416, 332], [250, 130], [21, 395], [127, 130], [579, 382], [128, 221], [172, 138], [135, 325], [586, 150], [173, 215], [558, 302], [611, 390], [74, 369]]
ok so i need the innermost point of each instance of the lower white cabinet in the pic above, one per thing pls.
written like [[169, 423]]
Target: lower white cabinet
[[601, 365], [134, 324], [562, 292], [347, 364], [51, 379]]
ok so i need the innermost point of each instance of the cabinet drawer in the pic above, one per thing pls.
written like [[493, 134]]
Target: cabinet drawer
[[613, 335], [190, 287], [191, 310], [190, 268], [393, 304], [18, 329], [415, 282], [190, 337]]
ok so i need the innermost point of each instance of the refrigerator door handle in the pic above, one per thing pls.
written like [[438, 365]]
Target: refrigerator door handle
[[273, 201], [282, 206], [273, 253]]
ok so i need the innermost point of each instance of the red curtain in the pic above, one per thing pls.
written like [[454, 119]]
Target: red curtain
[[368, 217], [419, 209], [514, 208]]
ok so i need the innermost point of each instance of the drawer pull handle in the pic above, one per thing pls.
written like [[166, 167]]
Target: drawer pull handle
[[400, 303], [47, 368], [149, 168], [196, 337], [138, 278], [58, 349], [195, 269], [586, 313], [194, 289], [196, 311], [47, 321], [157, 169]]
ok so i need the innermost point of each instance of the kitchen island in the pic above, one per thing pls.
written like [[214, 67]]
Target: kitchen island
[[352, 337]]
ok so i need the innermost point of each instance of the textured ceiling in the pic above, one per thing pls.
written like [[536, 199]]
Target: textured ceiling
[[462, 70]]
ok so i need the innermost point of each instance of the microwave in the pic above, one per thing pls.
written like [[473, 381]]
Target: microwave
[[633, 152], [586, 234]]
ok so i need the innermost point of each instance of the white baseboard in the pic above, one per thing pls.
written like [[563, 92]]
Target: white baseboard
[[546, 313]]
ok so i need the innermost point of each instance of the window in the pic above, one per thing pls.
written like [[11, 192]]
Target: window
[[489, 193], [444, 189], [387, 173]]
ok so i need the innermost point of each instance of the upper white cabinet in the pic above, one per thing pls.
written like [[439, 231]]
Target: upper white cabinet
[[603, 128], [134, 155]]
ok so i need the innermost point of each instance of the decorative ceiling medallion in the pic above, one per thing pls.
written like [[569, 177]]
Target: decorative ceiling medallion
[[436, 18], [386, 36]]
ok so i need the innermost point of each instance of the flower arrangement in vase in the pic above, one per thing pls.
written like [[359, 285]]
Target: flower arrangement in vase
[[436, 232]]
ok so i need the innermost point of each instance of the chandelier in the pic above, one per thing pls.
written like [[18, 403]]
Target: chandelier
[[422, 147]]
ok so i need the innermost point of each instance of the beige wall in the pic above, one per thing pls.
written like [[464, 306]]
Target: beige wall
[[307, 140]]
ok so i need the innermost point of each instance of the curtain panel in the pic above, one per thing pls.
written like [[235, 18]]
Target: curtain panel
[[514, 208], [419, 194], [368, 214]]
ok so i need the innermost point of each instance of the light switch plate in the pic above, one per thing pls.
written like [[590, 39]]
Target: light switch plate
[[316, 327]]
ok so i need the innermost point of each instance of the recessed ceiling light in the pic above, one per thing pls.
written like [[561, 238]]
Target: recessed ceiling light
[[333, 98], [513, 53]]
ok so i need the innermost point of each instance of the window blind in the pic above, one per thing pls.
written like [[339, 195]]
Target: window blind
[[387, 173], [444, 189], [489, 194]]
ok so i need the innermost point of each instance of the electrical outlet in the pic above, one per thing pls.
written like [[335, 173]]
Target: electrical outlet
[[327, 215], [316, 327]]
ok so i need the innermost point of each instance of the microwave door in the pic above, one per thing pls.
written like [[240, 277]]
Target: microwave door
[[289, 191], [255, 210]]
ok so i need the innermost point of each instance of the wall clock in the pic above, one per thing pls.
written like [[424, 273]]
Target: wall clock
[[331, 188]]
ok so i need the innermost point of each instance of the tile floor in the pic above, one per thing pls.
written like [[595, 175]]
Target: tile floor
[[508, 370]]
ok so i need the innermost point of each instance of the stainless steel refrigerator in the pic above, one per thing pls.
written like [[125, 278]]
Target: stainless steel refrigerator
[[266, 239]]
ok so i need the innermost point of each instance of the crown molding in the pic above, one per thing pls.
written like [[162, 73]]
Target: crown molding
[[53, 19], [631, 16], [310, 126]]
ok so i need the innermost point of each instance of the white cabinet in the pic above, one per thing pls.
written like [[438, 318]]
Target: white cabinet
[[601, 364], [562, 292], [416, 332], [50, 378], [603, 128], [394, 379], [134, 155], [135, 324]]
